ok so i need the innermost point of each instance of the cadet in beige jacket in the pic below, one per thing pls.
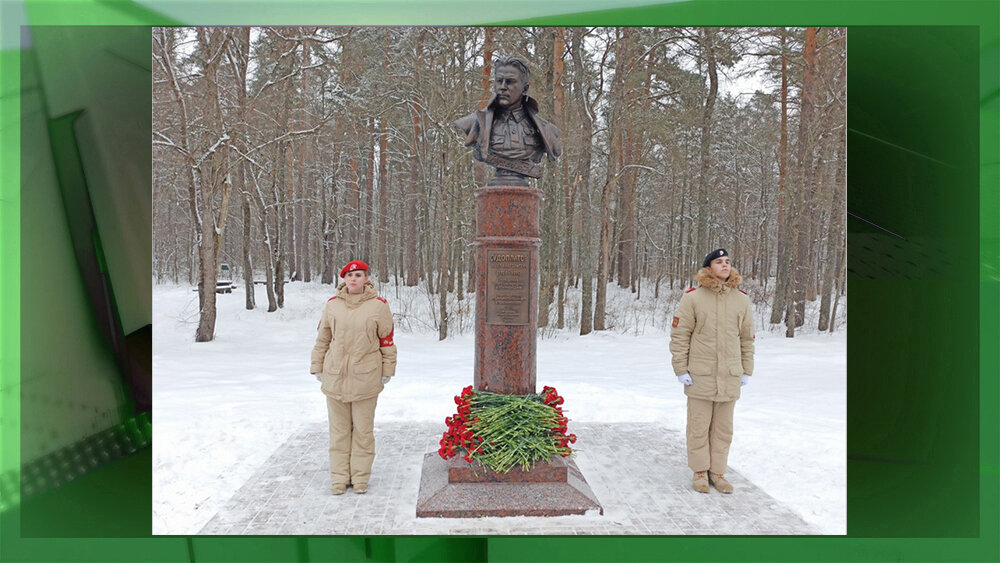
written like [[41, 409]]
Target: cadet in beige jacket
[[354, 358], [712, 347]]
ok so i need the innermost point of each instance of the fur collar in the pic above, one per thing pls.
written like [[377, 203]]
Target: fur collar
[[706, 279], [353, 300]]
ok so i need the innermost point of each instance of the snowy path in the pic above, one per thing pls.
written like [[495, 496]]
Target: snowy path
[[221, 409]]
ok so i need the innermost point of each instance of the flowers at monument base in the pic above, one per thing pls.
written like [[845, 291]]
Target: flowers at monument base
[[505, 431], [459, 436], [552, 398]]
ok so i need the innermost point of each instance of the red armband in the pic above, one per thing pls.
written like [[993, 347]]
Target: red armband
[[387, 341]]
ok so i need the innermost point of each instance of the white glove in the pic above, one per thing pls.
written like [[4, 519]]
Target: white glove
[[685, 379], [319, 377], [385, 379], [744, 379]]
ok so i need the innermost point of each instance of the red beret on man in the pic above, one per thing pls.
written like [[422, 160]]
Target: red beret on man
[[354, 265]]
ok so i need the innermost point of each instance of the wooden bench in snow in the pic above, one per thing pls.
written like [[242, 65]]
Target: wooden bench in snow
[[222, 286]]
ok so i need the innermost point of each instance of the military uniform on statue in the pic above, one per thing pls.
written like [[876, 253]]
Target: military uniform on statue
[[517, 136]]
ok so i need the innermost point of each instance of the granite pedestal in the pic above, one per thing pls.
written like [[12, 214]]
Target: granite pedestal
[[508, 222], [507, 243], [457, 489]]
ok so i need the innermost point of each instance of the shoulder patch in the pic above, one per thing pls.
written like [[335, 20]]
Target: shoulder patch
[[382, 299], [690, 290], [331, 299], [743, 292]]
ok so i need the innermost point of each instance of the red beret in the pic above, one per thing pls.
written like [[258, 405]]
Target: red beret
[[353, 265]]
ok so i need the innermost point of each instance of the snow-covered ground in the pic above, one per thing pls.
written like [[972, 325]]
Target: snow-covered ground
[[222, 408]]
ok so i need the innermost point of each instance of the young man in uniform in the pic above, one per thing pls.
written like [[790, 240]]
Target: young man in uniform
[[711, 343]]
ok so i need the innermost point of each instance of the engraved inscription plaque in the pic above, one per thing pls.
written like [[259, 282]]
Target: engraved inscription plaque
[[507, 287]]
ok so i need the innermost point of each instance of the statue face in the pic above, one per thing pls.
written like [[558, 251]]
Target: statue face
[[509, 87]]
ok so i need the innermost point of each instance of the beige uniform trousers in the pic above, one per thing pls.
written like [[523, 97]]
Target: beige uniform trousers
[[709, 433], [352, 440]]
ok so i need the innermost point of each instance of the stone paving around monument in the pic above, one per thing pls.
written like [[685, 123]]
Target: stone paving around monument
[[638, 472]]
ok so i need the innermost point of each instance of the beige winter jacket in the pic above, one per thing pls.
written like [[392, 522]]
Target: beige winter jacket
[[712, 337], [354, 347]]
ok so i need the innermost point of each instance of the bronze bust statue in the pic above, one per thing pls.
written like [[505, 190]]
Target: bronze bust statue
[[508, 134]]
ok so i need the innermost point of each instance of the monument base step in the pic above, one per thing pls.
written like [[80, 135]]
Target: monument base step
[[461, 471], [522, 494]]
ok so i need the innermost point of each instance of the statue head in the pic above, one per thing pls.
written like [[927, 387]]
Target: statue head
[[510, 80]]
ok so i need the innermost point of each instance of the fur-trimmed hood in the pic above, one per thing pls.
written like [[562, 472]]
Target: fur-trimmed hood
[[707, 279], [711, 337]]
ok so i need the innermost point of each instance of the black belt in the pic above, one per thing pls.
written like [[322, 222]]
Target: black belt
[[519, 166]]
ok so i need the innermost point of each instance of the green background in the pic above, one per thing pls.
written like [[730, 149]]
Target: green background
[[923, 341]]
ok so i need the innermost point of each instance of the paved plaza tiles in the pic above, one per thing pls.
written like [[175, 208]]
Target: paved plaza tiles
[[637, 471]]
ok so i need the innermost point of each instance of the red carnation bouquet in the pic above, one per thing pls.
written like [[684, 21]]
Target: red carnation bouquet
[[503, 431]]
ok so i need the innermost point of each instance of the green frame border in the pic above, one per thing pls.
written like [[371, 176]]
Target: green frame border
[[984, 15]]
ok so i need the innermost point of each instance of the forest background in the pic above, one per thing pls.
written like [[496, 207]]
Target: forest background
[[285, 152]]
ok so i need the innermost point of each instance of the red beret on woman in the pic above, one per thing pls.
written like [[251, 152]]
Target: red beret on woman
[[354, 265]]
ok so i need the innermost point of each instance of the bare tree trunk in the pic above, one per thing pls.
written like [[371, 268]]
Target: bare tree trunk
[[310, 186], [283, 191], [550, 201], [382, 253], [412, 190], [290, 209], [366, 225], [445, 252], [827, 315], [354, 203], [799, 268], [328, 221], [272, 299], [586, 139], [626, 242], [559, 115], [828, 270], [165, 50], [239, 55], [608, 192], [251, 302], [206, 289], [708, 37], [213, 173], [306, 186], [281, 212], [838, 281], [604, 255], [781, 272], [333, 222]]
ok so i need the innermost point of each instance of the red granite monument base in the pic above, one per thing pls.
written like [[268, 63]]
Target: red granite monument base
[[457, 489], [507, 244], [508, 222]]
